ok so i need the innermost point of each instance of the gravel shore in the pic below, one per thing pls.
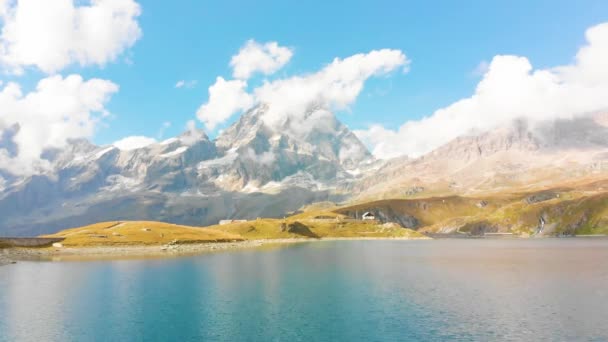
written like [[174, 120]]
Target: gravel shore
[[4, 258], [102, 252]]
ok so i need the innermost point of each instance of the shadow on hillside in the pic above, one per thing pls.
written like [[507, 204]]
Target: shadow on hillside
[[300, 229]]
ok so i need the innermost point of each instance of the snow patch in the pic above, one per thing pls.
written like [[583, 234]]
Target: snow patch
[[102, 152], [121, 183], [169, 141], [228, 159], [178, 151], [250, 187]]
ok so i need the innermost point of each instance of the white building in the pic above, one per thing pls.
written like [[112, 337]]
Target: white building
[[368, 216]]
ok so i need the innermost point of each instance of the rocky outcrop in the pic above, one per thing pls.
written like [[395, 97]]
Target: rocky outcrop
[[384, 215], [541, 197], [299, 229]]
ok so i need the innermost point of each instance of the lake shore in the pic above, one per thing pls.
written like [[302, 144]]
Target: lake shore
[[4, 260], [10, 255]]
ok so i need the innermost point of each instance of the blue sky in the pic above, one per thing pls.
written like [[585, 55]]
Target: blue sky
[[445, 40]]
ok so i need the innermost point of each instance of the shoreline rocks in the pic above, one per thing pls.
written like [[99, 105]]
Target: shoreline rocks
[[4, 260], [167, 250]]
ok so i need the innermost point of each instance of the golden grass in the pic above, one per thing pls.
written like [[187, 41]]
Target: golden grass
[[578, 208], [308, 225], [139, 233]]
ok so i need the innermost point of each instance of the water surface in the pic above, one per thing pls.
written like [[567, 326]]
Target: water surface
[[530, 290]]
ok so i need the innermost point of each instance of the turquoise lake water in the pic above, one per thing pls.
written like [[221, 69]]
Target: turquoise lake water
[[482, 290]]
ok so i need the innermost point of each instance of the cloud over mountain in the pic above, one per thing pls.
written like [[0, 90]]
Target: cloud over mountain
[[58, 109], [510, 89], [225, 99], [133, 142], [334, 87]]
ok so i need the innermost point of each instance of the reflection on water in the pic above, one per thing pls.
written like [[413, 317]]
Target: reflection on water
[[347, 290]]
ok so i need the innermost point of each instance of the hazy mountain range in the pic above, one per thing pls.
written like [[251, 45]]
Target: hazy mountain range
[[258, 168]]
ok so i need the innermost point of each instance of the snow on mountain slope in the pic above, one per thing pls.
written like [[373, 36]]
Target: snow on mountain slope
[[268, 168], [250, 157]]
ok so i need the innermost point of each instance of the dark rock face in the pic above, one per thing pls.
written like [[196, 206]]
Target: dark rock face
[[541, 197], [414, 190], [482, 204], [300, 229], [385, 215], [479, 228]]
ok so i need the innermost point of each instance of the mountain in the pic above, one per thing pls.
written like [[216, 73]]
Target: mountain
[[259, 155], [263, 166], [527, 179], [252, 169], [516, 156]]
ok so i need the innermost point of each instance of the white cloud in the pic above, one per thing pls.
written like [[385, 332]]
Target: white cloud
[[186, 84], [134, 142], [51, 35], [590, 67], [335, 87], [510, 89], [225, 99], [163, 128], [58, 109], [481, 69], [265, 158], [304, 101], [255, 57], [192, 135]]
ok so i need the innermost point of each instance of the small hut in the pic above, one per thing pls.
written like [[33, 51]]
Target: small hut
[[368, 216]]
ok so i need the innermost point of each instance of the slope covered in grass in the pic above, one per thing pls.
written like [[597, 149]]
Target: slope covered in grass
[[575, 209], [140, 233], [316, 224]]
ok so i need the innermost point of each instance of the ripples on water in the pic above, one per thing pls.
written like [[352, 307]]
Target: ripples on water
[[528, 290]]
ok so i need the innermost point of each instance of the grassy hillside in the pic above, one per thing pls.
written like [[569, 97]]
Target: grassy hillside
[[315, 224], [575, 209], [572, 209], [139, 233], [307, 225]]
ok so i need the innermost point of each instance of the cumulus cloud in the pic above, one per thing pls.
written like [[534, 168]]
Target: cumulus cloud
[[335, 87], [225, 99], [51, 35], [304, 101], [59, 109], [255, 57], [134, 142], [510, 89]]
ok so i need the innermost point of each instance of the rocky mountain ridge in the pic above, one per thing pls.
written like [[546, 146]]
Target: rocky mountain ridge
[[268, 168], [187, 179], [513, 156]]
